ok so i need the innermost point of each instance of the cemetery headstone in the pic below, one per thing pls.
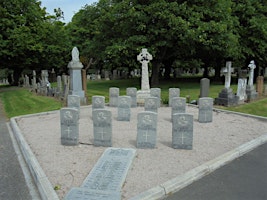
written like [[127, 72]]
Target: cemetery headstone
[[75, 67], [132, 93], [259, 85], [204, 87], [241, 86], [102, 127], [98, 102], [69, 126], [250, 90], [205, 109], [74, 102], [124, 108], [151, 104], [178, 105], [144, 57], [173, 92], [182, 131], [114, 94], [156, 92], [146, 129]]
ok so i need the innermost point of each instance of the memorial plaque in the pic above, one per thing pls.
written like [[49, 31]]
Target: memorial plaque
[[124, 108], [173, 92], [205, 109], [182, 131], [102, 127], [132, 92], [178, 105], [98, 102], [79, 193], [113, 96], [69, 126], [146, 129], [74, 102], [151, 104], [110, 171], [156, 92]]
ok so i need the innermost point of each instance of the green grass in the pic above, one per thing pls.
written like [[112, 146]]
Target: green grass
[[18, 101], [21, 101]]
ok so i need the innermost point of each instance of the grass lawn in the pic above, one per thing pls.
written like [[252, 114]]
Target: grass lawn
[[19, 101]]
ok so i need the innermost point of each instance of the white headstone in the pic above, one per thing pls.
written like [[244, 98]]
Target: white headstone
[[251, 67], [144, 57]]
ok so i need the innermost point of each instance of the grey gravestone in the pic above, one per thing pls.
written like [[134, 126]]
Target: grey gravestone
[[173, 92], [114, 93], [205, 109], [124, 108], [98, 102], [204, 87], [102, 128], [178, 105], [74, 102], [69, 126], [151, 104], [109, 173], [146, 130], [156, 92], [182, 131], [132, 92]]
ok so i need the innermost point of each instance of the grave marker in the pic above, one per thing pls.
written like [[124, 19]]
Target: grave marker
[[74, 102], [205, 109], [204, 87], [173, 92], [114, 93], [69, 126], [151, 104], [146, 130], [98, 102], [132, 93], [102, 128], [124, 108], [182, 131], [156, 92], [178, 105]]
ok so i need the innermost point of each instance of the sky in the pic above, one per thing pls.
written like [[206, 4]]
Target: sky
[[69, 7]]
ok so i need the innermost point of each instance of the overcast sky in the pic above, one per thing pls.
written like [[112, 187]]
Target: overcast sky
[[69, 7]]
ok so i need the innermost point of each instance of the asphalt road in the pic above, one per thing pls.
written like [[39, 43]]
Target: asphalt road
[[245, 178]]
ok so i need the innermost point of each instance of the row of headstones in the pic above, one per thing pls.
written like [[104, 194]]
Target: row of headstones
[[182, 123], [4, 82]]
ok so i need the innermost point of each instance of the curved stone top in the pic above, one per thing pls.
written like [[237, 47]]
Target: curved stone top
[[75, 54]]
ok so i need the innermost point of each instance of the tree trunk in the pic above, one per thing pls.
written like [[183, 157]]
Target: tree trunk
[[155, 74], [16, 76]]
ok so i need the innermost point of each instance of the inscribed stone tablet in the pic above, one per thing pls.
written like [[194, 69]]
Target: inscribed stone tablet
[[98, 102], [182, 131], [113, 96], [156, 92], [132, 92], [178, 105], [146, 129], [205, 109], [102, 128], [151, 104], [69, 126], [124, 108], [87, 194], [173, 92], [74, 102], [110, 171]]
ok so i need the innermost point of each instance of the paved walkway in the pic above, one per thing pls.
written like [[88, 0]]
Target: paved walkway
[[245, 178]]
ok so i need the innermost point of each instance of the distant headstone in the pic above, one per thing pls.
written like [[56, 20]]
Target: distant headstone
[[98, 102], [250, 90], [74, 102], [241, 86], [204, 87], [114, 94], [173, 92], [259, 85], [59, 84], [69, 126], [102, 128], [132, 93], [182, 131], [151, 104], [178, 105], [146, 129], [205, 109], [124, 108], [156, 92]]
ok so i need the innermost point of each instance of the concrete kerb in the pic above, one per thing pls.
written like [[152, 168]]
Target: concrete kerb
[[159, 192]]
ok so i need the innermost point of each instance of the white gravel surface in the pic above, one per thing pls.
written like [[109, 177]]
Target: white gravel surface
[[67, 166]]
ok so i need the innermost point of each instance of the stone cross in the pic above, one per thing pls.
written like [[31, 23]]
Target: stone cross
[[227, 73], [144, 57], [251, 67]]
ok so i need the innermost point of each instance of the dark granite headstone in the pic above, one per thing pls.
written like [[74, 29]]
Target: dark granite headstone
[[204, 87]]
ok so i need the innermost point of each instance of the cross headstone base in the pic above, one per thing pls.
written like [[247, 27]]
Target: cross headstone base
[[227, 98], [141, 96], [251, 93]]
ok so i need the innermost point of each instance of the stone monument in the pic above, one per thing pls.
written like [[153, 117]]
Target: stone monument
[[144, 57], [226, 96], [250, 90], [241, 86], [75, 67]]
